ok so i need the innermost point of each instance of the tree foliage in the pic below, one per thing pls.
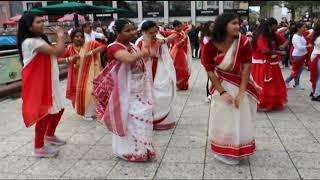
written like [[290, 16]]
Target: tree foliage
[[295, 7]]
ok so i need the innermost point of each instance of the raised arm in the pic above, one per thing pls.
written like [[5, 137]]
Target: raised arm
[[56, 50]]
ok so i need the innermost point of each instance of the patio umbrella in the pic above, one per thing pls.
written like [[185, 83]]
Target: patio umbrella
[[70, 7], [70, 17], [109, 9], [42, 12]]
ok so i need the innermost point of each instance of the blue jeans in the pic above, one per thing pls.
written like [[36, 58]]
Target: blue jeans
[[317, 90], [297, 79]]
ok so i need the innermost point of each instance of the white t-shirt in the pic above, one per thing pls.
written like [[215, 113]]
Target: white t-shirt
[[28, 48], [93, 35], [300, 45]]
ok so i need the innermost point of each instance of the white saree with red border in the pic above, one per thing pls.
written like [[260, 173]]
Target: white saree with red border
[[231, 130], [128, 111], [164, 87]]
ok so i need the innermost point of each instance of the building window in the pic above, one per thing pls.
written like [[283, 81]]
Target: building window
[[179, 8], [207, 8], [153, 8], [132, 6], [31, 5], [105, 17]]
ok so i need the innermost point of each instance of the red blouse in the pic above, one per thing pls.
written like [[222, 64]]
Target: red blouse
[[212, 56]]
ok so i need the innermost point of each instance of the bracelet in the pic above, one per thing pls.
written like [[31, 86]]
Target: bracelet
[[67, 60], [90, 53], [224, 91]]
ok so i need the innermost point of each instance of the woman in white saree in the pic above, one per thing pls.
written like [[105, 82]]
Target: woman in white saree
[[123, 93], [164, 76], [227, 59]]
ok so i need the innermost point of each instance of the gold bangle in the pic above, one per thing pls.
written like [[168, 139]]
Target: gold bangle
[[91, 53], [67, 60]]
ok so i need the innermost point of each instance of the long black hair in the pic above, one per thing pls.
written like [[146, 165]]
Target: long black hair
[[119, 25], [147, 25], [298, 26], [266, 31], [219, 33], [316, 31], [75, 31], [205, 31], [23, 31]]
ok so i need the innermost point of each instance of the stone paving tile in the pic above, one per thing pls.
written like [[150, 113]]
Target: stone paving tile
[[262, 123], [106, 140], [50, 167], [265, 133], [161, 140], [174, 170], [306, 160], [92, 169], [16, 164], [191, 130], [219, 170], [8, 148], [187, 141], [127, 170], [309, 173], [193, 121], [100, 152], [30, 176], [185, 155], [302, 145], [292, 124], [85, 138], [72, 151], [281, 116], [8, 176], [266, 172], [269, 144], [270, 159]]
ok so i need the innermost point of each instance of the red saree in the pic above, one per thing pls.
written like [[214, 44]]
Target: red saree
[[36, 89]]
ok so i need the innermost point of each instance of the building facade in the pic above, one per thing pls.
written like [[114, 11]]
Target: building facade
[[161, 11]]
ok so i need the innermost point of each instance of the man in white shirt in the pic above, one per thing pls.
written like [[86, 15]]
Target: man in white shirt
[[89, 34]]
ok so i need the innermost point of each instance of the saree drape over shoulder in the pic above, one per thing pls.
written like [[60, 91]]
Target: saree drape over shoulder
[[80, 77], [231, 130], [124, 105], [267, 73], [164, 87], [182, 58]]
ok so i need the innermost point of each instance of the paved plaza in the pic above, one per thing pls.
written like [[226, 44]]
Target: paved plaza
[[287, 143]]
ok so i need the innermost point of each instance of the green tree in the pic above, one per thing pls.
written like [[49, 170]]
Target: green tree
[[295, 7]]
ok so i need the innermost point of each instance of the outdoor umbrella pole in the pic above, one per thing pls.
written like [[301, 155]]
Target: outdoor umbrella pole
[[76, 20]]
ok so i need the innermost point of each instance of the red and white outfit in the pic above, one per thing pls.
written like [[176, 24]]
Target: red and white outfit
[[164, 87], [43, 101], [124, 93], [315, 68], [182, 57], [231, 130], [267, 74]]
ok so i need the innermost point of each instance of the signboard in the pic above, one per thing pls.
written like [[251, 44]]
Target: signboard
[[241, 12], [10, 69], [208, 12], [153, 8]]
